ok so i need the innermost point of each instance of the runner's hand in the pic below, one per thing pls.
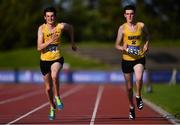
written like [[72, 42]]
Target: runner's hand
[[54, 38], [74, 48]]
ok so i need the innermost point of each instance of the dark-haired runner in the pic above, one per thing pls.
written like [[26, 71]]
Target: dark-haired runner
[[133, 41], [51, 59]]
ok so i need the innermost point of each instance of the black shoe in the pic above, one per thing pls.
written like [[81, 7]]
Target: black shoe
[[139, 103], [132, 115]]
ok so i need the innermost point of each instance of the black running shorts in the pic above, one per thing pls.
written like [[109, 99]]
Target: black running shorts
[[127, 66], [45, 66]]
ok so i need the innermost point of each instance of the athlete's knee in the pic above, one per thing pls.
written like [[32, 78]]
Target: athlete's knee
[[139, 81], [54, 78]]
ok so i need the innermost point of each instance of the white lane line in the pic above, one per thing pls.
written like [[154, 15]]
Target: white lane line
[[21, 97], [66, 94], [99, 94]]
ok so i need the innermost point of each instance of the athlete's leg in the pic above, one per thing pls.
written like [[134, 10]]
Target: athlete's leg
[[138, 70], [49, 89], [55, 69], [129, 87]]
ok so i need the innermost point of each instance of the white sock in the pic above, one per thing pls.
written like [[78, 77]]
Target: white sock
[[137, 96], [56, 97], [131, 107]]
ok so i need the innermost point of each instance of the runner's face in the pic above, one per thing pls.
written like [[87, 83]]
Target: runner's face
[[129, 15], [49, 17]]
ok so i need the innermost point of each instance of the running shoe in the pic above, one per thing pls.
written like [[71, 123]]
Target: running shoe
[[60, 105], [52, 113], [132, 115], [139, 103]]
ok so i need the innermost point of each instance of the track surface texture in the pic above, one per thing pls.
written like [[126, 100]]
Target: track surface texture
[[91, 104]]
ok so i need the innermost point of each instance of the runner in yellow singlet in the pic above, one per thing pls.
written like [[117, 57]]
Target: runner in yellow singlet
[[51, 59], [133, 41]]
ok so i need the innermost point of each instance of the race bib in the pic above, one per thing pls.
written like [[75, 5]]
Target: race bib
[[133, 50], [52, 48]]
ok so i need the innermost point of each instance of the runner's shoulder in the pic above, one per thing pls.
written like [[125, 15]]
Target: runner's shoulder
[[121, 27], [41, 26], [141, 24]]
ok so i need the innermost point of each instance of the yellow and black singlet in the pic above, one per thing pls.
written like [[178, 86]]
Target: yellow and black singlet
[[51, 52], [133, 39]]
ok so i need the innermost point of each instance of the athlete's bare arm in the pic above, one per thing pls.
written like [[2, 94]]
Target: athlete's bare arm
[[119, 45], [40, 41], [69, 28], [146, 38]]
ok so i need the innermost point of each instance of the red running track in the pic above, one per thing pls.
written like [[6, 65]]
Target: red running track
[[84, 104]]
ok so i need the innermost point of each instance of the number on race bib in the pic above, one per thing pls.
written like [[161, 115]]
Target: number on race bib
[[52, 48], [133, 50]]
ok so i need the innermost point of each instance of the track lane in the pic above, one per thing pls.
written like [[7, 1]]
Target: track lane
[[15, 108], [15, 90], [114, 109], [78, 108]]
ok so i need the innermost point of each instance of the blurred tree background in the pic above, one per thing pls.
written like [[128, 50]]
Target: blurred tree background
[[92, 19]]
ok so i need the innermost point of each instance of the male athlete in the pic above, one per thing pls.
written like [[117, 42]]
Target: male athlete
[[133, 41], [51, 59]]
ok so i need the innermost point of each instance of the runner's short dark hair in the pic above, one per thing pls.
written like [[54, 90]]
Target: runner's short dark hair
[[50, 9], [129, 7]]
